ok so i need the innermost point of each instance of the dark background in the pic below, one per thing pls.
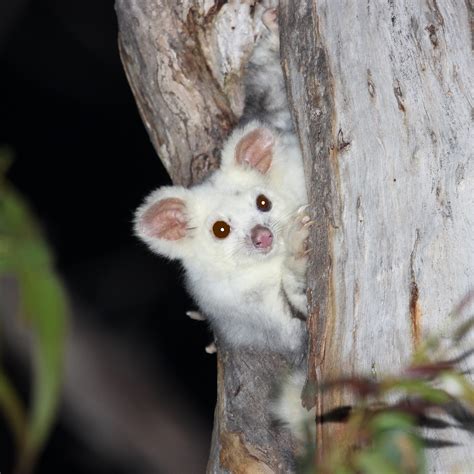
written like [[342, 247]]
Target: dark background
[[84, 162]]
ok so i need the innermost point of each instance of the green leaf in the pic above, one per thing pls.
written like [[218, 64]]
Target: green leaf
[[372, 462], [420, 388], [25, 256], [13, 410], [392, 420], [402, 449], [45, 306]]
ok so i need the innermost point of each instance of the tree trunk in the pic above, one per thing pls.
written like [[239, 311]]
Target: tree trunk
[[381, 96]]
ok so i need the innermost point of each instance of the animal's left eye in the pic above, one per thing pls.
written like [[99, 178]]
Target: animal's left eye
[[263, 203]]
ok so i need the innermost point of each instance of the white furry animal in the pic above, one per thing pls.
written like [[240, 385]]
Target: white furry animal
[[241, 234]]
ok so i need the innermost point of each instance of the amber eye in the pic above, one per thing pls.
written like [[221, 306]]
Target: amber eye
[[221, 229], [263, 203]]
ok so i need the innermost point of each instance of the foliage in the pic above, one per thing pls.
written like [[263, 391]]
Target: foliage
[[25, 257], [382, 428]]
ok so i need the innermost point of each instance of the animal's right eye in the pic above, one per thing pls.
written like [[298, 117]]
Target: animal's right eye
[[221, 229]]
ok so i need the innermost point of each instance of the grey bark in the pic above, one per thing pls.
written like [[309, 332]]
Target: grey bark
[[382, 100], [381, 94]]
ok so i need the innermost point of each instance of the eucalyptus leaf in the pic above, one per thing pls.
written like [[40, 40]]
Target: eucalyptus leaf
[[13, 410], [25, 256], [372, 462], [420, 388], [391, 420]]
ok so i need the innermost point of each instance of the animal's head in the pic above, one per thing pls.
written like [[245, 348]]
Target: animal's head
[[237, 217]]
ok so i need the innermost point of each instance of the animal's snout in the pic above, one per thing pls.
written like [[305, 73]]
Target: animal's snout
[[262, 238]]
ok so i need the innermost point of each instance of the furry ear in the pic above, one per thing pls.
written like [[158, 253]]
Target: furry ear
[[256, 149], [165, 219], [163, 222]]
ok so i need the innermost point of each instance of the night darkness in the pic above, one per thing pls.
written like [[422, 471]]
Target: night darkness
[[84, 162]]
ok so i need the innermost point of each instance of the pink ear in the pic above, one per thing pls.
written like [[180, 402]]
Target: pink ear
[[165, 219], [256, 149]]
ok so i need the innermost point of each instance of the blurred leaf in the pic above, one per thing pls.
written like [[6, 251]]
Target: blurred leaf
[[401, 448], [419, 388], [25, 256], [372, 462], [45, 306], [391, 421], [459, 387], [380, 436], [430, 369], [13, 410], [426, 349], [463, 330]]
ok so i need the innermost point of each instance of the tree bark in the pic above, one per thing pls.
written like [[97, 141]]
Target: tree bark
[[183, 61], [381, 95]]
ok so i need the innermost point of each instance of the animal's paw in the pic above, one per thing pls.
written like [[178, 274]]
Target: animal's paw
[[196, 315], [211, 348], [297, 235], [270, 19]]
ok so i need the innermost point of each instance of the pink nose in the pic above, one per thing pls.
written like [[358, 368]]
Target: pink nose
[[262, 237]]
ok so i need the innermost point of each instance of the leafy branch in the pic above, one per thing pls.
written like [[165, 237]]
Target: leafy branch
[[382, 428]]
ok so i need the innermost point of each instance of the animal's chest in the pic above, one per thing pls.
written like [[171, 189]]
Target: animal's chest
[[250, 310], [245, 296]]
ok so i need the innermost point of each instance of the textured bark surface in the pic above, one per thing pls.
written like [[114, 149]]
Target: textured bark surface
[[381, 95], [246, 439], [183, 61], [382, 98]]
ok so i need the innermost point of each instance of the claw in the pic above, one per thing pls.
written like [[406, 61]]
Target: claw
[[302, 208], [196, 315], [211, 348], [309, 223]]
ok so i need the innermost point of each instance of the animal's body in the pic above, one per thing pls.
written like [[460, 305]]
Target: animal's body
[[241, 234]]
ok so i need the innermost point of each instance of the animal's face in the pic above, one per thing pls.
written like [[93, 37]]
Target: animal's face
[[238, 221], [235, 218]]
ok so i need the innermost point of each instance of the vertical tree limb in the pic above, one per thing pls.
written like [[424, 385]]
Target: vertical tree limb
[[382, 100], [310, 91]]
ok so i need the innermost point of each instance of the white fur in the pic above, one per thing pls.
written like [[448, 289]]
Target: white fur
[[238, 288], [288, 409]]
